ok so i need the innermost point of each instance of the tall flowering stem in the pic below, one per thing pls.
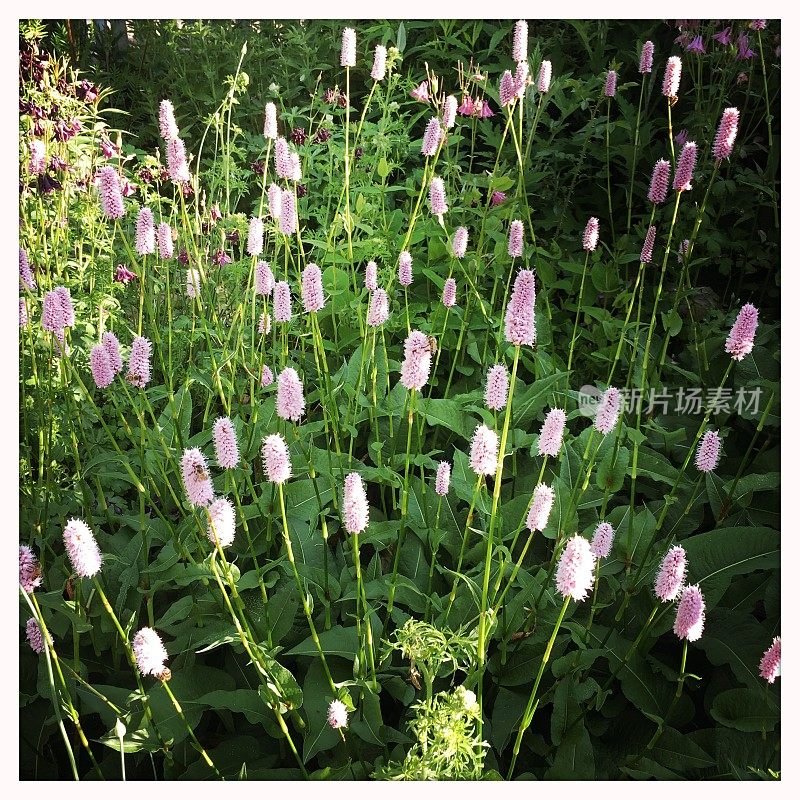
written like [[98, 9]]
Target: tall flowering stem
[[530, 709], [608, 168], [498, 480], [577, 317], [635, 151], [769, 118]]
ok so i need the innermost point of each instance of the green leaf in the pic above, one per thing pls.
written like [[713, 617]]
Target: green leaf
[[337, 641], [744, 710]]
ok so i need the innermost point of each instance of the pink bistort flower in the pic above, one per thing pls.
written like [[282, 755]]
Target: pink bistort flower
[[438, 199], [275, 198], [507, 88], [608, 411], [602, 540], [379, 63], [265, 280], [483, 452], [443, 478], [378, 308], [33, 633], [139, 362], [30, 573], [275, 455], [726, 133], [290, 404], [111, 193], [610, 89], [149, 652], [431, 138], [449, 111], [672, 77], [685, 168], [82, 549], [102, 372], [288, 219], [348, 58], [520, 323], [671, 573], [646, 58], [270, 121], [460, 239], [545, 75], [226, 448], [519, 51], [267, 378], [196, 478], [416, 367], [166, 121], [371, 276], [312, 295], [521, 79], [647, 248], [355, 509], [449, 293], [575, 573], [177, 166], [690, 616], [164, 240], [496, 393], [283, 161], [405, 274], [770, 666], [145, 232], [23, 313], [742, 336], [221, 522], [707, 456], [541, 506], [551, 436], [591, 234], [25, 273], [659, 183], [283, 302], [515, 236], [111, 344], [255, 236], [337, 714]]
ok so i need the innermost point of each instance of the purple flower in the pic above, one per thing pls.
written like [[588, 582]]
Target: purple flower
[[724, 36], [221, 258], [498, 197], [299, 135], [123, 274], [681, 137], [743, 43], [696, 45]]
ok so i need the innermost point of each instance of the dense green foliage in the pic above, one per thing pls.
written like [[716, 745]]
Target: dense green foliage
[[435, 689]]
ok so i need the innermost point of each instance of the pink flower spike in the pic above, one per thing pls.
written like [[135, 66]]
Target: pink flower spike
[[672, 77], [34, 635], [541, 506], [575, 574], [52, 312], [515, 237], [149, 652], [659, 183], [726, 133], [405, 274], [519, 51], [508, 88], [82, 549], [288, 221], [443, 478], [610, 89], [707, 456], [290, 404], [226, 448], [337, 714], [671, 573], [545, 75], [449, 112], [283, 161], [416, 367], [646, 58], [520, 324], [139, 362], [65, 300], [685, 168], [270, 121], [770, 666], [460, 240], [371, 276], [23, 313], [222, 522], [265, 280], [551, 436], [36, 166], [255, 237], [283, 302], [267, 378], [483, 453], [355, 509], [312, 294], [608, 411], [196, 480], [742, 336], [348, 48], [521, 79], [438, 199], [275, 455], [379, 63], [164, 240], [431, 138], [449, 293], [295, 171], [602, 540], [275, 199], [690, 617], [166, 121], [25, 274], [101, 367], [496, 393], [647, 248], [30, 573], [378, 308], [591, 234], [111, 344], [192, 284], [145, 232], [177, 166], [111, 193]]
